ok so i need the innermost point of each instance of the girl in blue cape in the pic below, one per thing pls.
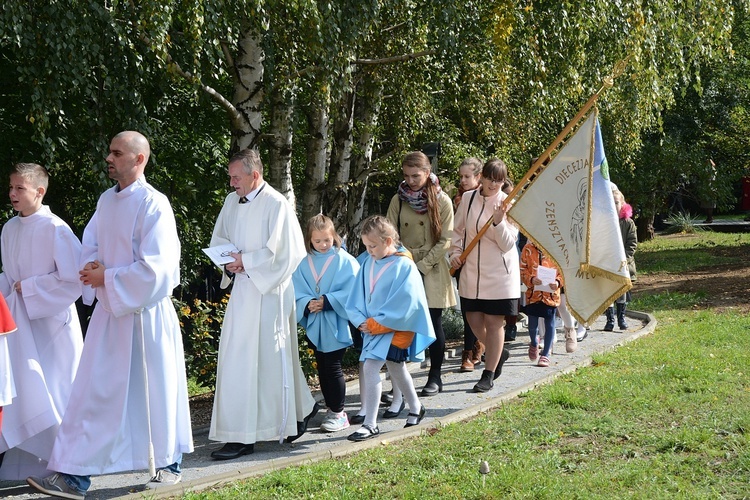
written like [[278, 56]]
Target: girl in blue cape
[[389, 305], [322, 283]]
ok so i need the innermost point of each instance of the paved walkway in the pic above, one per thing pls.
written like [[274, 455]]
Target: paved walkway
[[457, 402]]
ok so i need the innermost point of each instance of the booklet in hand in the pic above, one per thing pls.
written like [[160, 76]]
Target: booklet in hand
[[221, 254]]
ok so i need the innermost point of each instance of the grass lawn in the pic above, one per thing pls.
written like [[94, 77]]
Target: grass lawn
[[665, 416]]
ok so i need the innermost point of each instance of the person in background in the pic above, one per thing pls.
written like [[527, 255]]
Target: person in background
[[40, 282], [130, 394], [423, 215], [539, 303], [630, 242], [489, 286], [469, 173], [322, 283], [261, 392], [389, 305]]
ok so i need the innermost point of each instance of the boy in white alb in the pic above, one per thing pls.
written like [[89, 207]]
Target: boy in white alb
[[40, 283]]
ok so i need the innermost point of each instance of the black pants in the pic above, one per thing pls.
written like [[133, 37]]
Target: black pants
[[469, 337], [332, 382], [437, 348]]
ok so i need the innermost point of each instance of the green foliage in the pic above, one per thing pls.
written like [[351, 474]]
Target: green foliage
[[453, 324], [706, 121]]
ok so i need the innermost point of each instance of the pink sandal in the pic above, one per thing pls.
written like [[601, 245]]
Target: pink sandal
[[543, 361]]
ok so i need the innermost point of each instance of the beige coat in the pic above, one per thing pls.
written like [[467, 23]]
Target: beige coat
[[429, 256]]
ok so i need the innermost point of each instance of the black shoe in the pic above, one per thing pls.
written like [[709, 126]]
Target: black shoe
[[485, 383], [585, 334], [392, 414], [386, 399], [302, 426], [233, 450], [419, 416], [364, 433], [503, 358], [357, 419], [432, 388]]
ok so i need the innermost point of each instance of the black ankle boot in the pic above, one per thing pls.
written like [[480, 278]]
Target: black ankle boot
[[610, 325], [503, 358], [485, 383], [621, 316]]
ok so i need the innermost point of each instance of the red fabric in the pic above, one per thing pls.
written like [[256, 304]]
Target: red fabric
[[7, 324]]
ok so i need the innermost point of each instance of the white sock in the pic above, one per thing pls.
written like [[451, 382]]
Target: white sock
[[372, 388], [398, 396], [402, 378]]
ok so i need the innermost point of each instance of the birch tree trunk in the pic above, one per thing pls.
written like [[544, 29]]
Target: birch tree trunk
[[337, 190], [248, 91], [367, 110], [317, 154], [279, 166]]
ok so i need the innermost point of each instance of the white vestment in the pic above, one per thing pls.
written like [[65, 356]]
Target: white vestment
[[41, 252], [261, 391], [105, 428]]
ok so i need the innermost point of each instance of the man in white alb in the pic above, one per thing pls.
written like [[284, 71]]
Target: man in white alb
[[261, 392], [131, 262]]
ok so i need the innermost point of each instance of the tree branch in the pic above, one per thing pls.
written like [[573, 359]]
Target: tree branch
[[394, 59]]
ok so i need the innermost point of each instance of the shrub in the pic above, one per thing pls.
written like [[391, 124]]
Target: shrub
[[307, 358], [453, 324], [201, 326], [682, 223]]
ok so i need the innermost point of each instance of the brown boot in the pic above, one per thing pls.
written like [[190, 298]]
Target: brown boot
[[476, 353], [466, 364]]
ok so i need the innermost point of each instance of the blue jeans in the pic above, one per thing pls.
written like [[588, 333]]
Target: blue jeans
[[547, 314], [83, 483]]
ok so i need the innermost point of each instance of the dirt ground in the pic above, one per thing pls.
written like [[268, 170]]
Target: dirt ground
[[727, 285]]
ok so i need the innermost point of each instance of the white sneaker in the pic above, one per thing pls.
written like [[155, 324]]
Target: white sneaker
[[335, 422], [162, 479]]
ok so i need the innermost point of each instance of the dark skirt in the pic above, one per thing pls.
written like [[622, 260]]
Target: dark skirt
[[498, 307], [396, 354]]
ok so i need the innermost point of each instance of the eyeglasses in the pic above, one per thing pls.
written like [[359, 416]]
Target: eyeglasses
[[226, 254], [491, 180]]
